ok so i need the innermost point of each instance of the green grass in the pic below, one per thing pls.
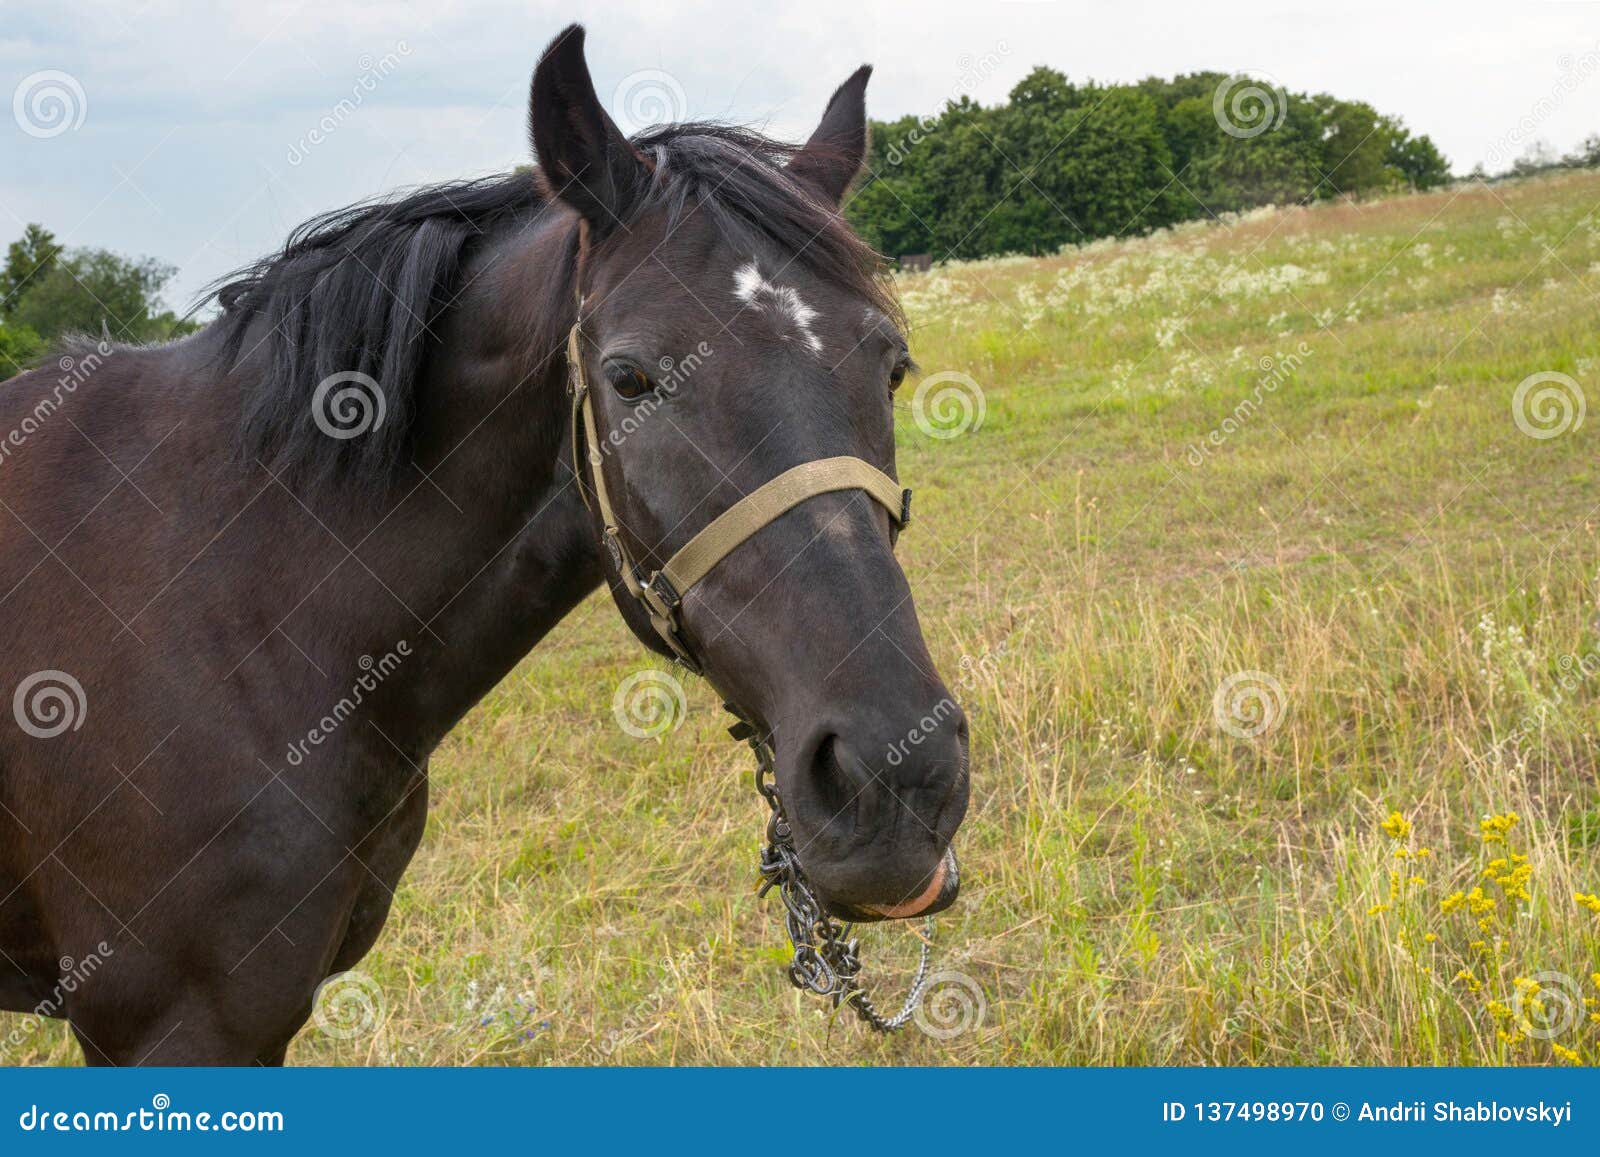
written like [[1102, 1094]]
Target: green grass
[[1416, 574]]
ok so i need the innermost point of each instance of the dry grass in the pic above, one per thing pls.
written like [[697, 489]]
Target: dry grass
[[1416, 575]]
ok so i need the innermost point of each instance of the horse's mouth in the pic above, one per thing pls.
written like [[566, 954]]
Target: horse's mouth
[[940, 893]]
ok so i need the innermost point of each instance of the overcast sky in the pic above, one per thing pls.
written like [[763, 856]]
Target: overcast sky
[[200, 133]]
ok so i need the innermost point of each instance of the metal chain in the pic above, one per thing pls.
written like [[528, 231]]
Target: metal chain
[[825, 956]]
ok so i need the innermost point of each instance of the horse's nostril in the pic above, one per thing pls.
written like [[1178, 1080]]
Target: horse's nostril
[[835, 785]]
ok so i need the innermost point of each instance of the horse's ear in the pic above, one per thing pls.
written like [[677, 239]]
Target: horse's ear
[[584, 158], [832, 157]]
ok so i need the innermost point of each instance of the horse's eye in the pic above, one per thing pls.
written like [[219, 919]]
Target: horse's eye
[[898, 374], [630, 382]]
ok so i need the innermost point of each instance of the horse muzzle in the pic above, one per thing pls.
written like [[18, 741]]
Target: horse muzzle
[[940, 893]]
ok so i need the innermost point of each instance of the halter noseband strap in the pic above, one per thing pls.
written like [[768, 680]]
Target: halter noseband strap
[[662, 592]]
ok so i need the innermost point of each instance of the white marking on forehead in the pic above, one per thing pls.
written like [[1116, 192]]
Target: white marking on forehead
[[760, 294]]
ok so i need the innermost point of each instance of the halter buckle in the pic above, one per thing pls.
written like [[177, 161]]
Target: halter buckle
[[905, 508], [613, 541], [662, 596]]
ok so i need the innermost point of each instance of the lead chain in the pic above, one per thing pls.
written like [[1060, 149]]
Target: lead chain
[[826, 959]]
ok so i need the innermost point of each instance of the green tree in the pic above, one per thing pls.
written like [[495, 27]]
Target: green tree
[[1355, 148], [1279, 166], [1100, 169], [33, 255], [93, 290], [19, 347], [1416, 159], [1062, 162]]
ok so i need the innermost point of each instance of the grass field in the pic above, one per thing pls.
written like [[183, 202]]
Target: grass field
[[1278, 455]]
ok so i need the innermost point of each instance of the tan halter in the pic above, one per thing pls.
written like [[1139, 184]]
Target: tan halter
[[662, 592]]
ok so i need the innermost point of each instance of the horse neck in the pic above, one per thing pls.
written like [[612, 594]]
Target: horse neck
[[483, 543]]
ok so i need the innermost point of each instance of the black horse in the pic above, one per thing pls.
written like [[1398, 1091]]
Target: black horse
[[251, 578]]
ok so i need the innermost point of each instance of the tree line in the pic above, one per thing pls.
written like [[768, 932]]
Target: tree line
[[47, 291], [1058, 163], [1062, 162]]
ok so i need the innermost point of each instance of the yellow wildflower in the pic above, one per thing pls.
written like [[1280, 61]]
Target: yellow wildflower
[[1397, 826], [1590, 901], [1569, 1055], [1494, 828]]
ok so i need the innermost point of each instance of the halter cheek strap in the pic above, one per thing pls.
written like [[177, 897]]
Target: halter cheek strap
[[661, 592]]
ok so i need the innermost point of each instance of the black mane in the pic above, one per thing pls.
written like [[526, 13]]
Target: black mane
[[355, 289], [360, 288]]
